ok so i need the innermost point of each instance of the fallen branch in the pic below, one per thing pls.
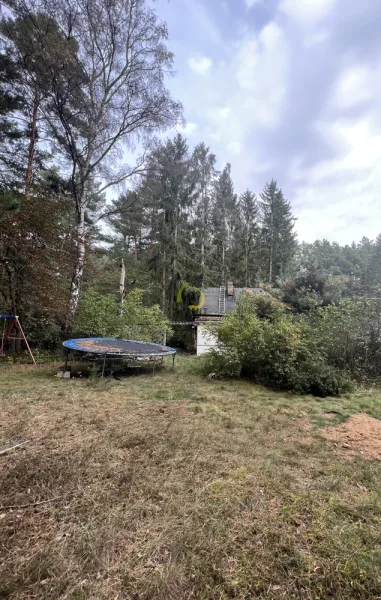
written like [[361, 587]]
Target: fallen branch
[[13, 447], [15, 506]]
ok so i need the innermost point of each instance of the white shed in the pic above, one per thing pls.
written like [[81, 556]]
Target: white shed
[[205, 339], [219, 301]]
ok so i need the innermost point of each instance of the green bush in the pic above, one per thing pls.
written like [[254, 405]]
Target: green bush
[[100, 315], [260, 340], [349, 336], [224, 363], [319, 380]]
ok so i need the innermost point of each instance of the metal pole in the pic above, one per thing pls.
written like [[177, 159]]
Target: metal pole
[[173, 362], [104, 365], [66, 359]]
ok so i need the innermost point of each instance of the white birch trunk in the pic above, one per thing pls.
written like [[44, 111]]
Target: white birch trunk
[[78, 269]]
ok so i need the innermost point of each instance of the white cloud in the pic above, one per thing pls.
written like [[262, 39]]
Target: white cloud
[[215, 135], [220, 114], [188, 129], [341, 195], [200, 65], [355, 85], [250, 3], [315, 39], [262, 64], [234, 148], [306, 12], [358, 147]]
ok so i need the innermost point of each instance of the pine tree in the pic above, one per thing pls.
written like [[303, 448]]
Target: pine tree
[[11, 135], [246, 240], [224, 217], [204, 174], [169, 189], [376, 262], [278, 240], [128, 219]]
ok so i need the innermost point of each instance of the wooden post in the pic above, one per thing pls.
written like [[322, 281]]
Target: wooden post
[[25, 340]]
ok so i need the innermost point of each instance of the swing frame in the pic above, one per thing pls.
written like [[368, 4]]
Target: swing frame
[[15, 321]]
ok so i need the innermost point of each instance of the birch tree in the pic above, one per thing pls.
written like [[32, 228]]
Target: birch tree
[[114, 97]]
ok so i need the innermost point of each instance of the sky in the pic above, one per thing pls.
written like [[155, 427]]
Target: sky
[[290, 90]]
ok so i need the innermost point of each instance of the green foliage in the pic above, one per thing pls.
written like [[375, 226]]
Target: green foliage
[[142, 322], [261, 341], [349, 336], [101, 315], [278, 239], [97, 315], [182, 337], [222, 361]]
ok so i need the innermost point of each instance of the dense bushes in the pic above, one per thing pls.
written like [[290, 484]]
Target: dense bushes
[[317, 353], [349, 336], [101, 315]]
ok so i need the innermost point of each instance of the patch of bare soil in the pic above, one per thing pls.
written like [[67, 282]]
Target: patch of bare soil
[[361, 434]]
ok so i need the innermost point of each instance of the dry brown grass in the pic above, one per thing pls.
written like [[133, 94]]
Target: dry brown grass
[[176, 487]]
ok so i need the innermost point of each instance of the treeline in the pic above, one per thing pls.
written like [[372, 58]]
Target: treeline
[[185, 222]]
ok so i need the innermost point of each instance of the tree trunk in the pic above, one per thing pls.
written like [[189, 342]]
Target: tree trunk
[[173, 270], [223, 263], [271, 247], [32, 144], [164, 284], [246, 260], [203, 221], [271, 264], [202, 263], [122, 282], [78, 269], [11, 291]]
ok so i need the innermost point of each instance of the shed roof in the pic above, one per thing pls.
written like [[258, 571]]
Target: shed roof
[[212, 300]]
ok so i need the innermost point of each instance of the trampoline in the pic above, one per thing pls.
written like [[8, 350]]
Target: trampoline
[[111, 349]]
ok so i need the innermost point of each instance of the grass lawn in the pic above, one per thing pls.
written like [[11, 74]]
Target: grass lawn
[[177, 487]]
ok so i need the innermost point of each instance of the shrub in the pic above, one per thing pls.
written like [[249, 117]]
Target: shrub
[[261, 341], [221, 362], [349, 336], [318, 379], [101, 315]]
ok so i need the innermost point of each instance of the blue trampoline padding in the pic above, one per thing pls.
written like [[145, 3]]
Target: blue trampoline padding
[[118, 347], [6, 316]]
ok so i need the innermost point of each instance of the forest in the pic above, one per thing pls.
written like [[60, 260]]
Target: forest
[[82, 91]]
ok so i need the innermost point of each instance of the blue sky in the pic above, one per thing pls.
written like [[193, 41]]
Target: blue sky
[[291, 90]]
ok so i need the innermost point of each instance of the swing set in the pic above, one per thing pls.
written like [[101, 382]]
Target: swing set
[[14, 321]]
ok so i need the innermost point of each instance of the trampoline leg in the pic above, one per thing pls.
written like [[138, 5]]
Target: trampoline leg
[[104, 365], [66, 358], [173, 362], [154, 363]]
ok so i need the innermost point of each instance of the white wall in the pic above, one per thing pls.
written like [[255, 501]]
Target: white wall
[[205, 340]]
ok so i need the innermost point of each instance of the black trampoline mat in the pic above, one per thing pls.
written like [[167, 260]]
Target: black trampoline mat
[[118, 347]]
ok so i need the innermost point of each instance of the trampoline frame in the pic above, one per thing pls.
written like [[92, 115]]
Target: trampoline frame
[[137, 358]]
